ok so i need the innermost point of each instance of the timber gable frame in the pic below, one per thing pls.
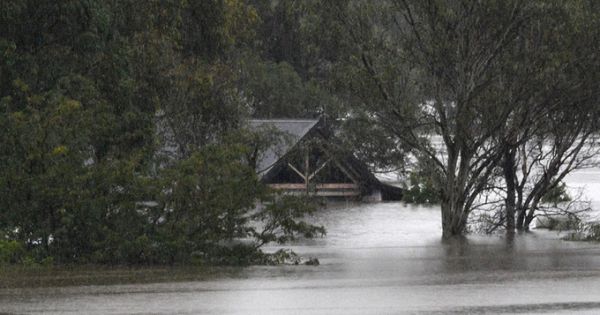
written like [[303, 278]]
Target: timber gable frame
[[313, 163]]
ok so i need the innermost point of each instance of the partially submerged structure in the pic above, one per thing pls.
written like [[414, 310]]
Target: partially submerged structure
[[307, 160]]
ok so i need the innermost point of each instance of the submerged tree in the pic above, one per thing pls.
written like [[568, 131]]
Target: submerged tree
[[553, 79], [430, 76], [464, 84]]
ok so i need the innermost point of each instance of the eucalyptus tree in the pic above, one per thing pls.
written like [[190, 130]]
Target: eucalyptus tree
[[431, 70]]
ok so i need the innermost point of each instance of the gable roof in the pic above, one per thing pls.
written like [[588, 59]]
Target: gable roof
[[294, 129]]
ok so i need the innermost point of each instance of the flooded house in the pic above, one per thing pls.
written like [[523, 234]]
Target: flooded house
[[307, 159]]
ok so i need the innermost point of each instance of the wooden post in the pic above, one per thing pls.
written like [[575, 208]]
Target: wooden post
[[306, 170]]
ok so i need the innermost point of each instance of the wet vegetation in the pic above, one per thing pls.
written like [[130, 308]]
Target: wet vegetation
[[584, 231], [420, 190], [557, 194], [122, 132]]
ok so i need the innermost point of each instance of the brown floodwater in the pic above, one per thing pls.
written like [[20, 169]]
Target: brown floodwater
[[385, 258]]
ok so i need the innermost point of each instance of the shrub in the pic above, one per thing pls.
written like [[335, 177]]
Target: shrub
[[559, 223], [11, 252], [421, 190], [585, 231], [557, 194]]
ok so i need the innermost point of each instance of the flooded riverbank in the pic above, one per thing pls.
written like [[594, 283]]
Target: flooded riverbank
[[376, 259]]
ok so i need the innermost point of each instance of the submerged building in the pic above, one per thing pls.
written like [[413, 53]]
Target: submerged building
[[308, 160]]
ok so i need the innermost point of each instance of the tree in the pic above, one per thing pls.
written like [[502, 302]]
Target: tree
[[431, 71], [95, 96], [76, 130], [552, 79], [288, 75]]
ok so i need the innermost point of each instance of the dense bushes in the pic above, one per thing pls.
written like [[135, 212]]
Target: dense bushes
[[121, 138], [189, 212], [197, 210]]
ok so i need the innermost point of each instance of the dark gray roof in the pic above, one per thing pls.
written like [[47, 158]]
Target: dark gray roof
[[294, 129]]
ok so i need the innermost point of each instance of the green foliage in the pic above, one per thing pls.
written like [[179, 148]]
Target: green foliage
[[209, 203], [281, 217], [421, 190], [205, 198], [117, 123], [275, 90], [557, 194], [289, 73], [11, 252]]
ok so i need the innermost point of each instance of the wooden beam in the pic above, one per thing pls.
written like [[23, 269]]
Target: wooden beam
[[337, 186], [343, 193], [318, 169], [297, 171], [324, 190], [318, 186], [352, 175], [289, 186], [345, 171]]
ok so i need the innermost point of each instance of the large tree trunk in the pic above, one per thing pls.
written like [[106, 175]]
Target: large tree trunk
[[531, 213], [454, 219], [528, 219], [454, 207], [509, 178], [525, 217], [521, 220]]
